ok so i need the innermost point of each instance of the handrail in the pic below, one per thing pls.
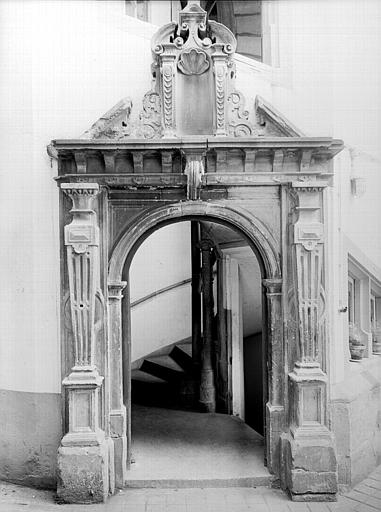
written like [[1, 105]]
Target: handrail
[[161, 291]]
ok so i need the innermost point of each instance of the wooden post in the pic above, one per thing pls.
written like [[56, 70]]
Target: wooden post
[[196, 295], [207, 386]]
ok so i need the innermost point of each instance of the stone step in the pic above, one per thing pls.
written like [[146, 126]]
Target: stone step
[[166, 360], [141, 376], [182, 359], [210, 483], [185, 346], [162, 372]]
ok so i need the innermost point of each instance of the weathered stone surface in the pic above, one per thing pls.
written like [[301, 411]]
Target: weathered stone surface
[[310, 456], [307, 482], [358, 441], [313, 497], [83, 474], [318, 477]]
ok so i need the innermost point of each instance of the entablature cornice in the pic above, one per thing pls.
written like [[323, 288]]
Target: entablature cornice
[[326, 146], [259, 160]]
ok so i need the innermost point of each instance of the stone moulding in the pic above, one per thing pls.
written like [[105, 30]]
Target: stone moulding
[[225, 161]]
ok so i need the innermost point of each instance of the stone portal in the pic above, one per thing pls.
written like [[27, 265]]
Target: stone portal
[[193, 153]]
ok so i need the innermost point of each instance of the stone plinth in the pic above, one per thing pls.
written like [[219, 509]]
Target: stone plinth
[[83, 473]]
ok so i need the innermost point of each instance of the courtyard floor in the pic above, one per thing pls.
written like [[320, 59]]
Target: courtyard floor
[[365, 497]]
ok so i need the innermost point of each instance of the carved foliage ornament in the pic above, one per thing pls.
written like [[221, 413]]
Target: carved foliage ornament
[[239, 124], [150, 116]]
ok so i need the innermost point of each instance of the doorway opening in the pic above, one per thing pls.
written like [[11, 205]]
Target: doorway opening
[[193, 333]]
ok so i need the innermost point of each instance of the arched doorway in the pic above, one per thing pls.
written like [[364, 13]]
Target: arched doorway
[[179, 373], [256, 237]]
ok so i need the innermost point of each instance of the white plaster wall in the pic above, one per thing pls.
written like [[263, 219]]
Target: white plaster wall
[[64, 63], [331, 86], [162, 260]]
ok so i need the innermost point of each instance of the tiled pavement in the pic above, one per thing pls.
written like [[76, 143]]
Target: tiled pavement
[[365, 497]]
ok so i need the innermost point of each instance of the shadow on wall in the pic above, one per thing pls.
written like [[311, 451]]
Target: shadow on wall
[[31, 430], [252, 346]]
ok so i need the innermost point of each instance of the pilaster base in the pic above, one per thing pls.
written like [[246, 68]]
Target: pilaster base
[[309, 468], [274, 422], [119, 438], [83, 473]]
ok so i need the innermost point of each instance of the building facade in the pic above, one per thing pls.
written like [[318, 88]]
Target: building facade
[[205, 167]]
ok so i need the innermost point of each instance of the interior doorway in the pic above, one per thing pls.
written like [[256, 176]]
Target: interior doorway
[[167, 330]]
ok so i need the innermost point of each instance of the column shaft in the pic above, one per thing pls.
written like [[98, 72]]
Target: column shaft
[[207, 387], [196, 292]]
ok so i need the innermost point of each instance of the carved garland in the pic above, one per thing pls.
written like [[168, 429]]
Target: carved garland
[[220, 73], [168, 95]]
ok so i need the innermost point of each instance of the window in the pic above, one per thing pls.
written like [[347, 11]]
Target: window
[[375, 308], [253, 22], [137, 9], [244, 18], [364, 304], [373, 312], [351, 300]]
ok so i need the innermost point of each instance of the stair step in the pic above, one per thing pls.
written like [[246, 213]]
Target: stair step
[[145, 377], [185, 346], [183, 359], [163, 372], [166, 360]]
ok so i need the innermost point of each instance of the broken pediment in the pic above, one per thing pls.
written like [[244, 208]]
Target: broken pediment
[[193, 90]]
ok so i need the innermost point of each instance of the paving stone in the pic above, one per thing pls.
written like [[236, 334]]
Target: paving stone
[[318, 507], [364, 498], [369, 491], [343, 505], [298, 507], [362, 507], [255, 507]]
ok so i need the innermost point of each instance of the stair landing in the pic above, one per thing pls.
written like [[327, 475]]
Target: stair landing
[[180, 449]]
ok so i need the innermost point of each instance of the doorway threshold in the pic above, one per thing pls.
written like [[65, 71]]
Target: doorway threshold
[[183, 449]]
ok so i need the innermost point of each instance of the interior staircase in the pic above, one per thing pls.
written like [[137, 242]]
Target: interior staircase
[[165, 378]]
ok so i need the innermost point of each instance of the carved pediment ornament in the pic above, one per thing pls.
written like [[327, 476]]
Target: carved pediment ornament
[[193, 46], [193, 62], [150, 116], [238, 119]]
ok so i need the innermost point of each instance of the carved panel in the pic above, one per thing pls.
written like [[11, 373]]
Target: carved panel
[[82, 241], [307, 269]]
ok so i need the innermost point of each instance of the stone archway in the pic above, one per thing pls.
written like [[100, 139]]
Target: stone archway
[[253, 171], [264, 246]]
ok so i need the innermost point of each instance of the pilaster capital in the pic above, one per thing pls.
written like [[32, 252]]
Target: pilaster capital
[[206, 245], [308, 186], [81, 194], [273, 286], [115, 289]]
